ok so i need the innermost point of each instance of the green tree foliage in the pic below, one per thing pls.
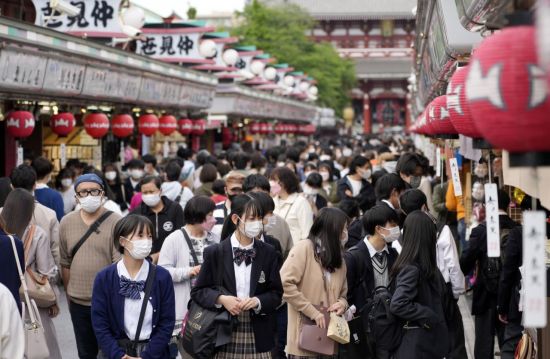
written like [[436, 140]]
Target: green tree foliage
[[282, 32], [191, 13]]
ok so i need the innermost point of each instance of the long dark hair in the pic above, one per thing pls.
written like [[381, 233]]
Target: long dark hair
[[5, 189], [326, 233], [18, 211], [419, 245], [243, 206]]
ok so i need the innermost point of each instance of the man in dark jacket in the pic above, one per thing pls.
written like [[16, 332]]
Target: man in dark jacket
[[166, 215], [484, 301], [136, 170], [356, 185]]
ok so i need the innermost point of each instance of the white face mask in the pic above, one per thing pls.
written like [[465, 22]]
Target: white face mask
[[280, 164], [141, 248], [310, 191], [306, 174], [252, 228], [324, 158], [66, 182], [325, 176], [346, 152], [390, 166], [151, 199], [136, 174], [395, 232], [365, 174], [90, 204], [481, 171], [110, 175]]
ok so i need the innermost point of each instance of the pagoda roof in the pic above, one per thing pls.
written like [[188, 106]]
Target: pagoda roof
[[354, 9]]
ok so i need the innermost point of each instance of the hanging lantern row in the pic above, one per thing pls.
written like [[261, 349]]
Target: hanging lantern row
[[265, 128], [500, 96], [20, 124]]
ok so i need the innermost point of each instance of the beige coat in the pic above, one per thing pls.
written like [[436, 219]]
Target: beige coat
[[302, 280]]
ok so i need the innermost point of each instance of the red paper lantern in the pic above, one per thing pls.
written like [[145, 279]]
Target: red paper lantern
[[199, 127], [185, 126], [280, 128], [62, 124], [122, 125], [507, 94], [167, 124], [20, 124], [255, 128], [292, 128], [96, 124], [438, 116], [148, 124], [459, 110]]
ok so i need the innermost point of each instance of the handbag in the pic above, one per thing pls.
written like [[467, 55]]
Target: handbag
[[36, 346], [38, 285], [206, 329], [526, 348], [338, 329]]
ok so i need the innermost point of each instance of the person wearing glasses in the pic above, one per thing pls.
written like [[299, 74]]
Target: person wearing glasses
[[86, 247]]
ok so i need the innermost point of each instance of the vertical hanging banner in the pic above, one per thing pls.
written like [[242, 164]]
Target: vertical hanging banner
[[95, 18], [19, 160], [491, 216], [438, 162], [456, 176], [165, 149], [63, 155], [534, 264]]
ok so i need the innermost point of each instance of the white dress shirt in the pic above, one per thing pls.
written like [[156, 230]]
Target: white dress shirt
[[243, 273], [372, 250], [132, 307], [448, 261]]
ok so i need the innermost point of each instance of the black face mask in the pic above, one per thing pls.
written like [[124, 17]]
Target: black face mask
[[231, 197]]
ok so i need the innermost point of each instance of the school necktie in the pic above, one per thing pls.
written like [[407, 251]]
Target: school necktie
[[131, 288], [243, 255]]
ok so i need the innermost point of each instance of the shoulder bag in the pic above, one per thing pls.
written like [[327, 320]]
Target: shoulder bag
[[206, 329], [36, 346], [190, 245], [93, 228], [38, 285]]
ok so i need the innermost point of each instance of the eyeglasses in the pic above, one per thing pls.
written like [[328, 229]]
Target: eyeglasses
[[86, 193]]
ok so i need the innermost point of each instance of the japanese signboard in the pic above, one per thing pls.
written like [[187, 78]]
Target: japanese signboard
[[97, 18], [64, 77], [195, 96], [534, 278], [103, 82], [456, 176], [170, 47], [491, 215], [22, 70]]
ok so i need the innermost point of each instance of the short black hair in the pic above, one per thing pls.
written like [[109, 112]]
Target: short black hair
[[503, 200], [132, 223], [197, 209], [378, 215], [74, 163], [240, 160], [42, 167], [149, 158], [218, 187], [386, 184], [23, 176], [185, 153], [266, 202], [357, 161], [407, 164], [155, 179], [256, 181], [350, 207], [209, 173], [173, 170], [314, 180], [257, 161], [202, 157], [412, 200], [135, 163], [288, 179], [293, 153]]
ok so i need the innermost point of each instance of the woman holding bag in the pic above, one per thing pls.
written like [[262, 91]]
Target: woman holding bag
[[133, 310], [314, 277], [17, 214]]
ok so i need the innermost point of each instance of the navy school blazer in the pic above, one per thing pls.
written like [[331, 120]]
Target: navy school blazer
[[108, 313], [267, 287]]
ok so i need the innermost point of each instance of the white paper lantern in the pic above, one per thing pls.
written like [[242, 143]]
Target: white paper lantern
[[133, 16], [207, 48], [230, 57], [303, 86], [270, 73], [257, 67], [313, 91], [288, 80]]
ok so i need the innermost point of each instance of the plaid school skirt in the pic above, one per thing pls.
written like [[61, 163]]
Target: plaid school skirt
[[290, 356], [242, 342]]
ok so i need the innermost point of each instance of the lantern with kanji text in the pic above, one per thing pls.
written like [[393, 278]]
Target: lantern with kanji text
[[459, 110], [20, 124], [96, 124], [148, 124], [185, 126], [439, 119], [280, 128], [255, 128], [167, 124], [62, 124], [199, 127], [122, 125]]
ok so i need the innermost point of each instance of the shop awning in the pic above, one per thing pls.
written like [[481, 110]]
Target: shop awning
[[38, 63], [236, 100]]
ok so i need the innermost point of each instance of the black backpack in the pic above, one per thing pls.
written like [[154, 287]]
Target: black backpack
[[492, 266]]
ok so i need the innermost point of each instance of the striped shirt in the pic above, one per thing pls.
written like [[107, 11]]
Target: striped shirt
[[220, 213]]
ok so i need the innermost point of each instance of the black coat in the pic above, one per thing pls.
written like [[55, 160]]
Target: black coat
[[366, 198], [510, 276], [476, 253], [269, 292], [420, 302], [169, 219], [356, 233], [129, 191], [119, 191]]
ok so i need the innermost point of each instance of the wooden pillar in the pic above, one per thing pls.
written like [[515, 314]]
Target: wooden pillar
[[367, 127]]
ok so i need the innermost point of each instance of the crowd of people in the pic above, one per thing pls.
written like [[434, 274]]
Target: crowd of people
[[298, 231]]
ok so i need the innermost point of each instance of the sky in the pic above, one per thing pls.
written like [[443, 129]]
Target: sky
[[205, 7]]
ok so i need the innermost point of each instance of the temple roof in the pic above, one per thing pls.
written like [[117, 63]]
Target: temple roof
[[354, 9]]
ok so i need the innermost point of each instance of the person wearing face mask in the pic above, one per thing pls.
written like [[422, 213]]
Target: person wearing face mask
[[251, 283], [166, 215], [86, 247], [369, 262], [311, 190], [448, 263], [112, 178], [183, 261], [64, 184], [409, 168], [124, 288], [356, 186], [44, 194], [330, 188], [136, 170], [233, 187]]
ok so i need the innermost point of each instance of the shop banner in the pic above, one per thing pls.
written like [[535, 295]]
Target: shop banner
[[22, 70], [170, 47], [106, 83], [491, 215], [456, 176], [534, 266], [64, 77], [196, 96], [96, 18]]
